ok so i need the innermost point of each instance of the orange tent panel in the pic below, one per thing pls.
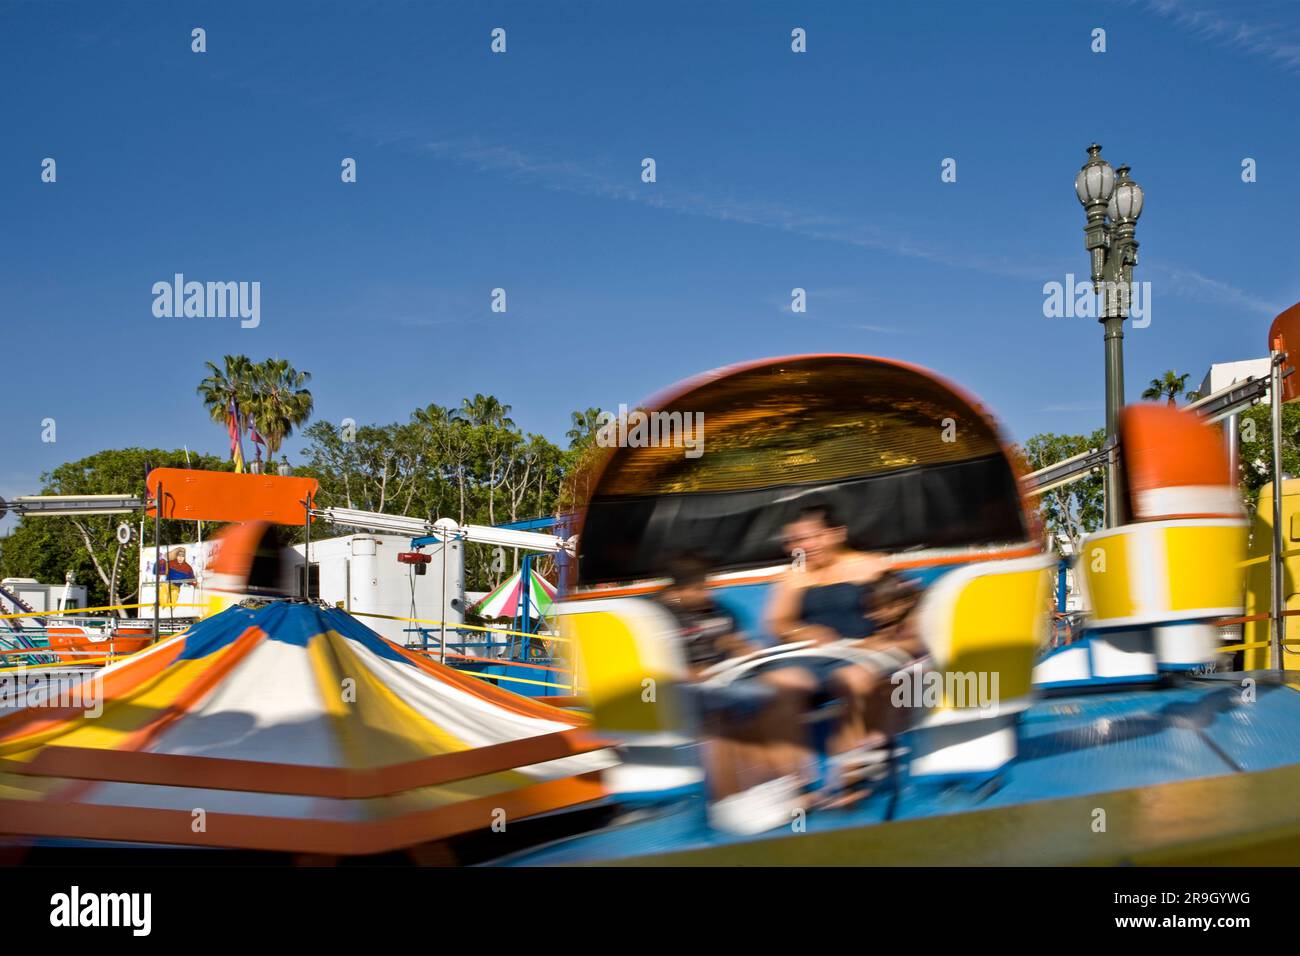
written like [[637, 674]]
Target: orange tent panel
[[226, 496]]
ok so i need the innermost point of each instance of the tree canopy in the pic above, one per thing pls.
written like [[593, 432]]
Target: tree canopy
[[269, 399], [46, 547], [1072, 510], [470, 462], [1168, 386]]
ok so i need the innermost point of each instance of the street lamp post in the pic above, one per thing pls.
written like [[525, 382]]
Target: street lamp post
[[1112, 202]]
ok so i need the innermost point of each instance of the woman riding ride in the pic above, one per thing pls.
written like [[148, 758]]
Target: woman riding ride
[[850, 604]]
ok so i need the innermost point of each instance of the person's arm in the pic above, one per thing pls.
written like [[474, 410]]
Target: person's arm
[[900, 636], [899, 627], [736, 645]]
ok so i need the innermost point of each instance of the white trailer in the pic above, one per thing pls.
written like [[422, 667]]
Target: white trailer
[[41, 597], [361, 573]]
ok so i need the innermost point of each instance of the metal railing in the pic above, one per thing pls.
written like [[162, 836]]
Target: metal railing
[[441, 652], [34, 643]]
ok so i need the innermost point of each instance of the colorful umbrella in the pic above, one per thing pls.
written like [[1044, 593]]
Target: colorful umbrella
[[505, 601], [292, 727]]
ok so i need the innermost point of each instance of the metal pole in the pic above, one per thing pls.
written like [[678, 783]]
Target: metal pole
[[1112, 251], [306, 553], [1232, 441], [526, 582], [157, 556], [1114, 340], [1062, 584], [442, 612], [1279, 583]]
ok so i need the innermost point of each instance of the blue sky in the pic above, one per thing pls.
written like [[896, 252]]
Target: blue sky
[[522, 171]]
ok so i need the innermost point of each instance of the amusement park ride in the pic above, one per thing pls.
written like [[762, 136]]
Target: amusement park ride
[[352, 576], [307, 733]]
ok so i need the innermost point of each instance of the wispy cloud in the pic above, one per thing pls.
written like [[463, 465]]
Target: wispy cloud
[[567, 176], [572, 177], [837, 302], [1274, 41], [883, 329], [1073, 407], [1189, 284]]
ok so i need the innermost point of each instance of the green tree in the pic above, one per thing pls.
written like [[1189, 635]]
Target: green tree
[[381, 468], [485, 410], [227, 388], [470, 462], [449, 434], [1256, 434], [1170, 385], [584, 427], [1077, 509], [45, 547], [582, 461], [279, 403]]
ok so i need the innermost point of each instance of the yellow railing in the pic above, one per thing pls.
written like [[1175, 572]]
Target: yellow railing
[[77, 611], [523, 680], [93, 658], [463, 627], [452, 625], [95, 661]]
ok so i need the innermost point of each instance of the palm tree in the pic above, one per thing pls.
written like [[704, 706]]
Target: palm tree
[[228, 393], [281, 403], [449, 432], [585, 425], [485, 410], [1170, 384]]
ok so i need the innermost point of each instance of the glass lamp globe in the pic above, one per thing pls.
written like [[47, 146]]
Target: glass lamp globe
[[1126, 201], [1096, 180]]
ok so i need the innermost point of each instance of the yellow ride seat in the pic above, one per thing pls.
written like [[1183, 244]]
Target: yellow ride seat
[[983, 624], [1158, 582], [630, 661], [1169, 579]]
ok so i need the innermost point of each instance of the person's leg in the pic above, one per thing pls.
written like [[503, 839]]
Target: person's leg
[[782, 725], [858, 690], [732, 765], [759, 755], [761, 734], [866, 726], [734, 744]]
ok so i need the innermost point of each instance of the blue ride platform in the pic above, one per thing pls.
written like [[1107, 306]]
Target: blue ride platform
[[1194, 771]]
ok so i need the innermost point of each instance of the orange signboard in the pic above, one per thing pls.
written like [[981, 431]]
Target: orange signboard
[[1284, 336], [225, 496]]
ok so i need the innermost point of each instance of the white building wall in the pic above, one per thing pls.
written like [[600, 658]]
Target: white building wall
[[1222, 374]]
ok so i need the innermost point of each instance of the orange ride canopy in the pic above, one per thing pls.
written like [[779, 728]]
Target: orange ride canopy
[[1284, 336], [225, 496], [907, 459], [1175, 466]]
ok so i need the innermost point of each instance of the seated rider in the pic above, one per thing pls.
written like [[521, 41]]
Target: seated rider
[[828, 597], [893, 646], [709, 633], [754, 741]]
